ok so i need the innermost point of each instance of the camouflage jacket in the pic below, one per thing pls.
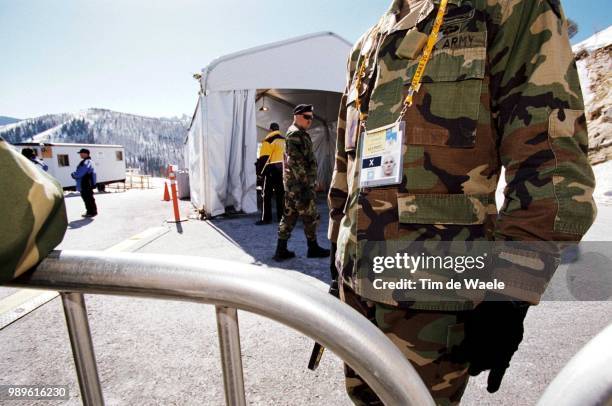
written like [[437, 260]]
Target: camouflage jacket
[[300, 164], [501, 90], [33, 214]]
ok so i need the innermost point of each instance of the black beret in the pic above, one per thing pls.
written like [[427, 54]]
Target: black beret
[[302, 108], [84, 150], [274, 127]]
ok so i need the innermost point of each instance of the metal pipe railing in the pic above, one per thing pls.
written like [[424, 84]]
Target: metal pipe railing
[[82, 348], [587, 379], [231, 358], [228, 285]]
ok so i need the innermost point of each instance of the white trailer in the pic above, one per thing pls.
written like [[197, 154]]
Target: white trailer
[[62, 159]]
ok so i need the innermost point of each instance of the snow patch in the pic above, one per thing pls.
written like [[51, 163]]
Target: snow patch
[[603, 188], [596, 41]]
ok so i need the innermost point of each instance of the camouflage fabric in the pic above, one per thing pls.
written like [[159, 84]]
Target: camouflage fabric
[[33, 214], [299, 178], [501, 90], [299, 205], [300, 163], [425, 338]]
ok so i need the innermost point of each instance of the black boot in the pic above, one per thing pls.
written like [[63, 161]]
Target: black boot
[[314, 251], [282, 253]]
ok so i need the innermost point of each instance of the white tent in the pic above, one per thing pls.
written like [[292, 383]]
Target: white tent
[[241, 94]]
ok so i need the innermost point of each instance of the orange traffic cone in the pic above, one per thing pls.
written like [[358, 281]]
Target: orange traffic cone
[[166, 193]]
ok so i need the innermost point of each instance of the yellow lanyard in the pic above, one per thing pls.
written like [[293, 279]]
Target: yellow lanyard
[[418, 75], [431, 42], [360, 76]]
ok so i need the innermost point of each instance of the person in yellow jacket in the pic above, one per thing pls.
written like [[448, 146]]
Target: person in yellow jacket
[[270, 168]]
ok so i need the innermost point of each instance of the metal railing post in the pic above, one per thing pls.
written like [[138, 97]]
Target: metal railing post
[[82, 348], [231, 357]]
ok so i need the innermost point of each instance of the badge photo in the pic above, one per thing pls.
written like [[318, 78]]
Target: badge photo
[[381, 157]]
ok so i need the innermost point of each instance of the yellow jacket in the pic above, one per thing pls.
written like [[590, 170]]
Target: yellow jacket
[[271, 151]]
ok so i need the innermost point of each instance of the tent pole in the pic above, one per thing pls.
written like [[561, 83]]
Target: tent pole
[[257, 98]]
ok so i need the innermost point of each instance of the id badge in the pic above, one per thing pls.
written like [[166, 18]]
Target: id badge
[[352, 128], [381, 156]]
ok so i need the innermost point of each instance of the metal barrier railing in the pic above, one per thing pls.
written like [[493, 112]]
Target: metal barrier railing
[[229, 286], [587, 379]]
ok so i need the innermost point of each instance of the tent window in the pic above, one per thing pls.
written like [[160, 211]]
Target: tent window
[[119, 155], [62, 160]]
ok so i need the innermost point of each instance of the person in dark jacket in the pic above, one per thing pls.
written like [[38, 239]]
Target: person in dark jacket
[[85, 176], [30, 154]]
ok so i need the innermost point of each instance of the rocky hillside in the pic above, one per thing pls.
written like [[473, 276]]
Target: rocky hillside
[[594, 58], [150, 143]]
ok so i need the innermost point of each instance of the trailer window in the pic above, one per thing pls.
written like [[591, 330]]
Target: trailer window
[[119, 155], [62, 160]]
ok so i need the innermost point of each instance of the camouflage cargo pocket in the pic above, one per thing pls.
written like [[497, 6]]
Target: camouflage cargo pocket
[[449, 103]]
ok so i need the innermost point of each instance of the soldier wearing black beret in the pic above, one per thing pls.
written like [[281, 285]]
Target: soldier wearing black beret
[[299, 179]]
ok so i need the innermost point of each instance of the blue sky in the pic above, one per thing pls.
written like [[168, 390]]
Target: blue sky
[[137, 56]]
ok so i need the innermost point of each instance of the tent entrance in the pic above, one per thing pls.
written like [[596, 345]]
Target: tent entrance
[[276, 106], [229, 120]]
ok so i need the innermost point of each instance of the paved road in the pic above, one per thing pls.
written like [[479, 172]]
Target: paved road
[[156, 352]]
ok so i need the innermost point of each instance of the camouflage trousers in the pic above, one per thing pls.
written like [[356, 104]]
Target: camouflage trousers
[[425, 338], [298, 205]]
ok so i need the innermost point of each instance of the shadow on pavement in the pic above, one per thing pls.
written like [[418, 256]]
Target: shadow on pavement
[[68, 195], [260, 241], [79, 223]]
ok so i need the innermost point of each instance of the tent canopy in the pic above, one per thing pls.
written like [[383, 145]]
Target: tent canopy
[[241, 94], [314, 61]]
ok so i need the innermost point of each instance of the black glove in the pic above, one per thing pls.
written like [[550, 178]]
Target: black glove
[[493, 332]]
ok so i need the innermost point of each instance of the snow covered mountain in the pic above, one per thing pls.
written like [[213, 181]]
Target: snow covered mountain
[[594, 59], [150, 143], [7, 120]]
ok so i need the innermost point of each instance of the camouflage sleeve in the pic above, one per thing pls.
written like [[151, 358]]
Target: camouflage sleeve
[[297, 161], [338, 191], [33, 214], [312, 167], [539, 111]]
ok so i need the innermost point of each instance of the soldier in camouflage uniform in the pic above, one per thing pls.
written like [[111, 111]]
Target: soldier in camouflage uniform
[[33, 214], [501, 89], [299, 179]]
